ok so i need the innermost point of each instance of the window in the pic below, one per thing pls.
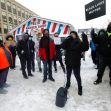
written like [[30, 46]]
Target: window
[[19, 12], [9, 7], [0, 28], [14, 9], [15, 21], [19, 20], [5, 27], [10, 28], [10, 19], [26, 16], [23, 14], [3, 6], [4, 16]]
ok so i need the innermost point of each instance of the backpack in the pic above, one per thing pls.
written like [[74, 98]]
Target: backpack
[[61, 97]]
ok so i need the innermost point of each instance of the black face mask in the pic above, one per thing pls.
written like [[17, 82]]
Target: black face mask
[[26, 37], [47, 35]]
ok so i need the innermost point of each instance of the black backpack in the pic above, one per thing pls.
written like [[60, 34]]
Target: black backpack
[[61, 97]]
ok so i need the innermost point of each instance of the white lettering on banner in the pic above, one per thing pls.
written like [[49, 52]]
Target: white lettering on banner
[[36, 26], [95, 10], [95, 6]]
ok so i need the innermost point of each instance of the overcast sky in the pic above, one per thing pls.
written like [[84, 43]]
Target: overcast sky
[[70, 11]]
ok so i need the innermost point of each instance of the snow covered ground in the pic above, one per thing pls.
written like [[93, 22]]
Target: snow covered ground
[[33, 95]]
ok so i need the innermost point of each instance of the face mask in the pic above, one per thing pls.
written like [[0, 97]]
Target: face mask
[[26, 37]]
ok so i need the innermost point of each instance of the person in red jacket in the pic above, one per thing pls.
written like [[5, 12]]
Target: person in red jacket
[[5, 63], [47, 53]]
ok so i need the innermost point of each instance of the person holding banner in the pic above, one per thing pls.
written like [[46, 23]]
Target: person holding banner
[[57, 42]]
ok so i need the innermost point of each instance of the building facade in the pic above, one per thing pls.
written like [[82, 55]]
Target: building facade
[[12, 14]]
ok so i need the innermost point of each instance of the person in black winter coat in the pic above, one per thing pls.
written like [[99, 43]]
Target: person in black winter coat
[[74, 47], [104, 48], [32, 54], [24, 48]]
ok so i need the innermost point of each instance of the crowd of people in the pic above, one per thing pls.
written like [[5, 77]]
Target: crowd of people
[[47, 52]]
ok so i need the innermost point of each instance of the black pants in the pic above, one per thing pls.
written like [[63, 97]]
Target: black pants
[[13, 65], [103, 62], [33, 63], [3, 76], [26, 62], [76, 71], [55, 65], [93, 55]]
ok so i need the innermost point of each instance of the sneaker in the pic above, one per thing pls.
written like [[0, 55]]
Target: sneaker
[[31, 75], [6, 85], [25, 77], [51, 79], [3, 91], [98, 81], [44, 80]]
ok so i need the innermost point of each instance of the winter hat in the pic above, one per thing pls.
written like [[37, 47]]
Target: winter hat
[[9, 37], [74, 32]]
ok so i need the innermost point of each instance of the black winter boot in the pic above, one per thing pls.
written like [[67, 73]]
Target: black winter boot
[[51, 79], [31, 75], [80, 90], [98, 81]]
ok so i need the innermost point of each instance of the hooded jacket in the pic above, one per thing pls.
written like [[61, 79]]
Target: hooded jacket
[[5, 57], [74, 49], [46, 49]]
